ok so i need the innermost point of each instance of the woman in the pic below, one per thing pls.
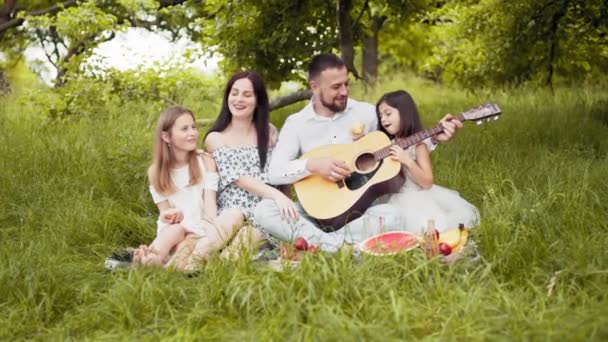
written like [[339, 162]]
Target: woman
[[241, 142]]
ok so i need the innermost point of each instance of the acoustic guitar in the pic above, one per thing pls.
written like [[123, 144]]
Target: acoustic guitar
[[334, 204]]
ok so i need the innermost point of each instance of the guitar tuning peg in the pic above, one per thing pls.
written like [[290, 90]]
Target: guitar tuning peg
[[479, 122]]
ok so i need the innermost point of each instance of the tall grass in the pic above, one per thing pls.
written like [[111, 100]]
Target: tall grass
[[73, 190]]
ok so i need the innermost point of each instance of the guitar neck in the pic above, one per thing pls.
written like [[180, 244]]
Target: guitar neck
[[487, 111], [412, 139], [425, 134]]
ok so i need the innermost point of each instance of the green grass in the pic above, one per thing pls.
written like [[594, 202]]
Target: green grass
[[73, 190]]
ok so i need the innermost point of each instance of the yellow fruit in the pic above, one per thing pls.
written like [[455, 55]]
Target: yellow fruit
[[357, 128], [456, 238]]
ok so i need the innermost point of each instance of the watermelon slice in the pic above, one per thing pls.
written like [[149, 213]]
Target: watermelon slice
[[389, 243]]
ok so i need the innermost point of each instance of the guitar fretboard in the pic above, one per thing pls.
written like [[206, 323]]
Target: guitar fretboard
[[412, 139]]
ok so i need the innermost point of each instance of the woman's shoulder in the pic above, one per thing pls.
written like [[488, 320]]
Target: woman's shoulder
[[213, 141]]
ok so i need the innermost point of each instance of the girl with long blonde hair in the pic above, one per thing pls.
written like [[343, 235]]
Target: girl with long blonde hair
[[177, 178]]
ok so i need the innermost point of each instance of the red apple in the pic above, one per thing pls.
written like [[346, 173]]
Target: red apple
[[445, 249], [300, 244]]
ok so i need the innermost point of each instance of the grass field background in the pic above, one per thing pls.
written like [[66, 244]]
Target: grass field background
[[73, 189]]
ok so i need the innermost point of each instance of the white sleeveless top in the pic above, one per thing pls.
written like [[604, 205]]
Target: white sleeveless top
[[187, 198]]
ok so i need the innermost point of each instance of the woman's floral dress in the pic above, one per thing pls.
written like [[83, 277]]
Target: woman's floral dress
[[233, 163]]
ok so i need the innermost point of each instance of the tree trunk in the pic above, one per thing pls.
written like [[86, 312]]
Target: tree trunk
[[554, 41], [370, 51], [345, 35], [6, 11], [5, 87]]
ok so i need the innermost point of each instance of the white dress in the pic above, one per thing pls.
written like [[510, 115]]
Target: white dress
[[417, 206], [187, 198]]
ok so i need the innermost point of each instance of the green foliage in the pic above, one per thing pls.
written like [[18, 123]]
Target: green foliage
[[499, 42], [70, 34], [69, 22], [77, 30], [404, 45], [169, 84], [274, 37], [73, 191], [473, 43], [156, 87]]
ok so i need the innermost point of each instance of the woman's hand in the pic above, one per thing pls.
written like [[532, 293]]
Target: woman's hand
[[172, 216], [397, 153], [287, 207]]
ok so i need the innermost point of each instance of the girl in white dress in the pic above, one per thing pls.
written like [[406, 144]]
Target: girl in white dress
[[419, 200], [177, 179]]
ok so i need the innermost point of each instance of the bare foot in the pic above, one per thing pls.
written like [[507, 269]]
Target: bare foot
[[146, 256], [138, 254]]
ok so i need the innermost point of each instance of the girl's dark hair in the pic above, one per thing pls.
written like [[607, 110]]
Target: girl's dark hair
[[408, 113], [260, 114]]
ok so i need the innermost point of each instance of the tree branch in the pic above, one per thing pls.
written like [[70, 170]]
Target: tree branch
[[53, 8], [14, 22], [363, 9], [42, 41], [292, 98], [78, 49], [167, 3]]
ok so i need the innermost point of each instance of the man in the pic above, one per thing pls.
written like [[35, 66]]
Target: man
[[327, 119]]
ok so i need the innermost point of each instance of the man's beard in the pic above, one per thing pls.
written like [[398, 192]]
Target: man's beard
[[333, 107]]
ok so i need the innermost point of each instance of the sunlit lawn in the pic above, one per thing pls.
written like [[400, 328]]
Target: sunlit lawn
[[73, 191]]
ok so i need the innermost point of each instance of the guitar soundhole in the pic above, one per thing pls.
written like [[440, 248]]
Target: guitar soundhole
[[357, 180], [365, 162]]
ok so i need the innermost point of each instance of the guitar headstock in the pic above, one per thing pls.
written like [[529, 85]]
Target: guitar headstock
[[488, 111]]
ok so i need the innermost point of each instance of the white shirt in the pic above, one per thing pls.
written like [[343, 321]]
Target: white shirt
[[188, 198], [306, 130]]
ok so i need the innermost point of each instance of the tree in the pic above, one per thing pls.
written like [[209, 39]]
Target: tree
[[277, 38], [499, 42], [69, 30], [346, 40], [274, 37], [374, 17]]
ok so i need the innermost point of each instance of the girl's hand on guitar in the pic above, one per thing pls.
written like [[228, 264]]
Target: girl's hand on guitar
[[450, 126], [397, 153], [289, 212], [330, 168]]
